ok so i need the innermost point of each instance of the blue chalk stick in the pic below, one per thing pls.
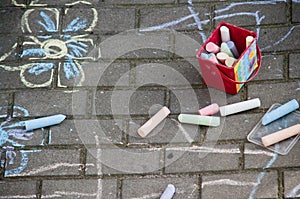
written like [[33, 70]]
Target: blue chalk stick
[[233, 49], [280, 112], [204, 56]]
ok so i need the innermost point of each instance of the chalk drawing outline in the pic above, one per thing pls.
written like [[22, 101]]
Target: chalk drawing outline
[[71, 46], [7, 133]]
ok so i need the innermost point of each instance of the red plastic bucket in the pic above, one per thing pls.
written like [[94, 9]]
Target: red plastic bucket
[[231, 79]]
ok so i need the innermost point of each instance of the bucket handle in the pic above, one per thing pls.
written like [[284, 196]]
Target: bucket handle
[[253, 74]]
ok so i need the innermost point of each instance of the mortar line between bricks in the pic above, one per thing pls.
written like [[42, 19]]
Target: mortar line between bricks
[[200, 186], [286, 66], [39, 189], [280, 184], [119, 188]]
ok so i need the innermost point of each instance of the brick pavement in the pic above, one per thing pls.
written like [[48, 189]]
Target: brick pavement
[[108, 94]]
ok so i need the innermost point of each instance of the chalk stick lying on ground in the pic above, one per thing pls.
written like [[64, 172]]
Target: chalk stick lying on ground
[[209, 110], [280, 112], [144, 130], [239, 107], [199, 120], [169, 192], [43, 122], [280, 135]]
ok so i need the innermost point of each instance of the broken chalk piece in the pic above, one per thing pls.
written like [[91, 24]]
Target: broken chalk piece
[[169, 192], [221, 56], [280, 135], [233, 49], [280, 112], [239, 107], [209, 110], [212, 47], [229, 62], [226, 49], [43, 122], [225, 35], [249, 40], [199, 120], [144, 130]]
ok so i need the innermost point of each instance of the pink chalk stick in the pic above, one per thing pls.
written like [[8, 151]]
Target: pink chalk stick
[[209, 110], [212, 47], [213, 59]]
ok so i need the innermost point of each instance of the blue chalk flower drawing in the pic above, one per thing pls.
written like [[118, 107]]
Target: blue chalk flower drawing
[[53, 44], [11, 134]]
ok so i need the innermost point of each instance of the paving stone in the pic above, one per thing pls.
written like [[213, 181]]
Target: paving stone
[[86, 188], [291, 184], [236, 126], [195, 159], [278, 39], [258, 157], [5, 3], [134, 44], [295, 10], [6, 76], [159, 17], [168, 131], [186, 187], [8, 50], [61, 2], [10, 15], [4, 100], [188, 100], [270, 93], [271, 67], [118, 160], [241, 185], [294, 70], [167, 74], [43, 103], [44, 163], [138, 2], [115, 20], [18, 189], [116, 74], [127, 102], [84, 131], [244, 13]]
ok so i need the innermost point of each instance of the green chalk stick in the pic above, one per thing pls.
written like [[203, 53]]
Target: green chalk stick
[[226, 49], [199, 120]]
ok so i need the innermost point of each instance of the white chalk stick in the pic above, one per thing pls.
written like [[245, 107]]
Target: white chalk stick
[[169, 192], [221, 56], [144, 130], [239, 107], [280, 135], [225, 35], [229, 62], [209, 110], [43, 122], [199, 120], [249, 40]]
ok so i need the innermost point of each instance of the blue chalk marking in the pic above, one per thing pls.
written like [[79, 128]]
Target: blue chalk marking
[[76, 24], [44, 36], [33, 52], [280, 112], [39, 68], [261, 175], [78, 42], [3, 137], [25, 111], [70, 69], [22, 166], [76, 49], [49, 26]]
